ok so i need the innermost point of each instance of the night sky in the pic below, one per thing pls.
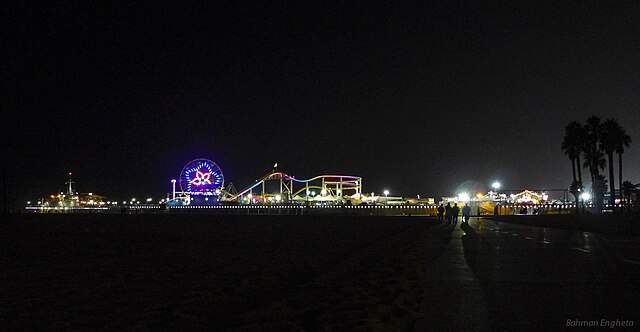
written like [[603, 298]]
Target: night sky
[[422, 100]]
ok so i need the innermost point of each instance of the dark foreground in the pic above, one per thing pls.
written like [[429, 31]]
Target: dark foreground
[[312, 273]]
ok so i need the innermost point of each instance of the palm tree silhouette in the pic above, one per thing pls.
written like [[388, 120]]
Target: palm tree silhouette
[[594, 158], [594, 161], [623, 141], [593, 141], [572, 147], [610, 136]]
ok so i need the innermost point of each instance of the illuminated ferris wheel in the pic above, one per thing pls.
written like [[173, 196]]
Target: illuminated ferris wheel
[[201, 177]]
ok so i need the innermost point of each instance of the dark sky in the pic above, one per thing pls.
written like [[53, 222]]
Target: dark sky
[[420, 100]]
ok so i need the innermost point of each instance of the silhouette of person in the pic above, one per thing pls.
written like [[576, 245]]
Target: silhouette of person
[[455, 210], [440, 214], [466, 213], [448, 213]]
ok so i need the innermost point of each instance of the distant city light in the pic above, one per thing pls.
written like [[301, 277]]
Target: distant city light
[[585, 196], [464, 197], [386, 192], [496, 185], [149, 200]]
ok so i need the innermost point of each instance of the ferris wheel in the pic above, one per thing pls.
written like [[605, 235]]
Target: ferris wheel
[[201, 177]]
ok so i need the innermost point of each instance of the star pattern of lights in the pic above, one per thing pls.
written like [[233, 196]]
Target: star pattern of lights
[[201, 177]]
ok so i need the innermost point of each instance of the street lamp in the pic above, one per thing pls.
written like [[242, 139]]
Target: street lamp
[[386, 193], [496, 185]]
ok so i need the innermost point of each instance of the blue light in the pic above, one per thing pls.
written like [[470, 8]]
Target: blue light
[[201, 177]]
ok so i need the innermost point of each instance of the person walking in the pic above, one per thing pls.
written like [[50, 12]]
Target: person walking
[[448, 213], [440, 214], [466, 213], [455, 210]]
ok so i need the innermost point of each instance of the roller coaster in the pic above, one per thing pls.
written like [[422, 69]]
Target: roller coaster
[[321, 188], [201, 181]]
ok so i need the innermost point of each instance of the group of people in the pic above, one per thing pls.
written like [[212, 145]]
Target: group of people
[[449, 214]]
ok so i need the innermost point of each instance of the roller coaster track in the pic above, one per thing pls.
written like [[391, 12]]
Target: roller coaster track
[[331, 186]]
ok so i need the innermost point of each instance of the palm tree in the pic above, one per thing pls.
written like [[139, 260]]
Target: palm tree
[[572, 145], [610, 134], [594, 160], [623, 141]]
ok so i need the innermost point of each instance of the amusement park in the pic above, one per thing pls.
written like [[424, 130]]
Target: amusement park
[[201, 184]]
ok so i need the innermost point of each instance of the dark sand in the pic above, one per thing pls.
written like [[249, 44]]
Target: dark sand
[[250, 273]]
